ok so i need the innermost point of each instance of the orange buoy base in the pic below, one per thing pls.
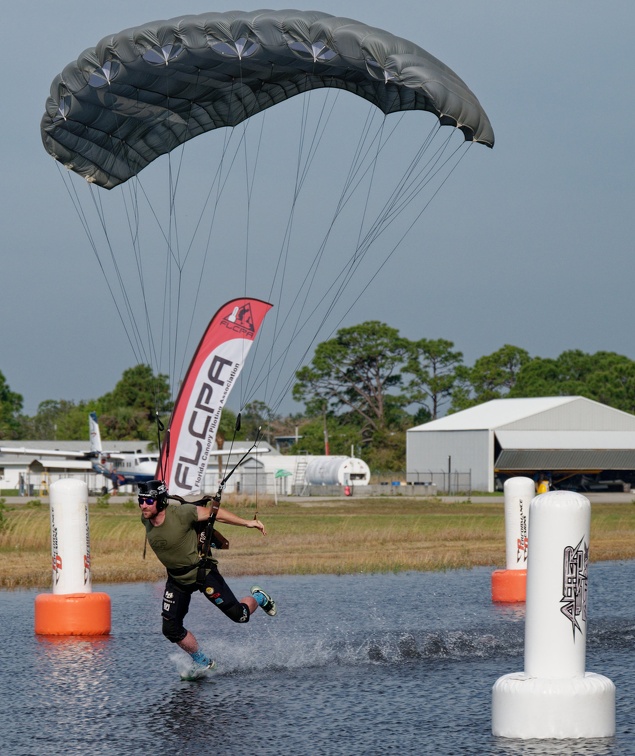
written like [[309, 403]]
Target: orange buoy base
[[72, 614], [509, 586]]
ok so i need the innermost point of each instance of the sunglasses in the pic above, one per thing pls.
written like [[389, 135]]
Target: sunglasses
[[146, 500]]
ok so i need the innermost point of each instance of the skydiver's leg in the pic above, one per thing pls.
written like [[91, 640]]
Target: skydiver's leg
[[176, 602], [220, 594]]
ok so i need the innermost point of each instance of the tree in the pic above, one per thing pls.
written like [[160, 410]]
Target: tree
[[492, 376], [61, 420], [257, 415], [141, 390], [342, 436], [10, 409], [605, 377], [612, 381], [433, 366], [355, 373], [129, 411]]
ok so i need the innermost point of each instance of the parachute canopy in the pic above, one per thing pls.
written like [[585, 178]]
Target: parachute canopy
[[141, 93]]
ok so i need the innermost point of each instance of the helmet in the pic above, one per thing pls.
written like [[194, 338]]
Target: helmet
[[155, 489]]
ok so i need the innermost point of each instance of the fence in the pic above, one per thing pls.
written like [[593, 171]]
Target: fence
[[445, 481]]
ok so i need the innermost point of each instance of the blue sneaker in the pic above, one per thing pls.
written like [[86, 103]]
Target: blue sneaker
[[198, 671], [203, 662], [264, 600]]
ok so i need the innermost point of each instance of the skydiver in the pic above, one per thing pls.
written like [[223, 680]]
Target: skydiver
[[173, 537]]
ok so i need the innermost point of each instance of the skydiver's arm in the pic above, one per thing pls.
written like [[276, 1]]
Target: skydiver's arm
[[228, 518], [232, 519]]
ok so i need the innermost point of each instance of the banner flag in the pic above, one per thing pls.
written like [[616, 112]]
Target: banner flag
[[215, 367]]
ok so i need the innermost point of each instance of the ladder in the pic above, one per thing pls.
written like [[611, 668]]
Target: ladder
[[300, 485]]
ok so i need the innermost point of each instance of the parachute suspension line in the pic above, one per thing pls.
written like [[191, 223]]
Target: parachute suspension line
[[244, 380], [411, 225], [301, 175], [384, 219], [302, 171], [134, 220], [172, 283], [380, 223], [358, 253], [156, 360], [130, 198], [369, 239], [79, 209], [132, 214], [175, 250], [171, 313], [406, 191], [150, 356], [370, 186], [250, 180], [139, 352], [354, 169], [341, 202], [219, 182], [160, 429]]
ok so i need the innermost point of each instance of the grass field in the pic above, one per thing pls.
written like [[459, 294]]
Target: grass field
[[338, 536]]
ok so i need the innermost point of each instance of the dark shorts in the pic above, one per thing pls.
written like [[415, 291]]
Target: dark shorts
[[176, 602]]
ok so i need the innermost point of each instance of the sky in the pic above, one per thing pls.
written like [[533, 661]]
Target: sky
[[530, 243]]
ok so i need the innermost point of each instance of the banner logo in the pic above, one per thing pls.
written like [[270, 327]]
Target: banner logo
[[241, 321]]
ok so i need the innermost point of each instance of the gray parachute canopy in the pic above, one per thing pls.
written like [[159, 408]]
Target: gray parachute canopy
[[141, 93]]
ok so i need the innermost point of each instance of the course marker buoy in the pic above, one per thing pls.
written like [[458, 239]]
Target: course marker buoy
[[72, 608], [554, 697], [509, 585]]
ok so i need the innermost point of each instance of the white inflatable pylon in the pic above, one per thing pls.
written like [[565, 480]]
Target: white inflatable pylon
[[509, 585], [72, 608], [554, 697]]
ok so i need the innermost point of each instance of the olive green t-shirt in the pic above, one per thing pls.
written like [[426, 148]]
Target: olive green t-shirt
[[175, 540]]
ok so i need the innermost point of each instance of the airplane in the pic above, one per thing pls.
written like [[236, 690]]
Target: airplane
[[119, 467]]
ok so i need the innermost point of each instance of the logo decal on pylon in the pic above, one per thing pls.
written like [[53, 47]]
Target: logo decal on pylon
[[575, 584]]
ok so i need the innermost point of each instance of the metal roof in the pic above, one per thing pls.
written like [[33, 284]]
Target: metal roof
[[555, 412], [491, 415], [39, 465], [69, 447]]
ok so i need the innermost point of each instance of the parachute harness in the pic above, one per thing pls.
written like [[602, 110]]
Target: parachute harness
[[209, 537]]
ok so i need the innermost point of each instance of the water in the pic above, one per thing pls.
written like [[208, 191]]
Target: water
[[363, 664]]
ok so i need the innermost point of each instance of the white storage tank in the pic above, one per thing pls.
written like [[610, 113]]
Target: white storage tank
[[334, 471]]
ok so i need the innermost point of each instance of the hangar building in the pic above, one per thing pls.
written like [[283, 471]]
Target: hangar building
[[574, 442]]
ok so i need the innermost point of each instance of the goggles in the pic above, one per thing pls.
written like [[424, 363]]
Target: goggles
[[149, 500]]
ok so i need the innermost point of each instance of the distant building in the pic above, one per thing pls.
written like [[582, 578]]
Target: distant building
[[43, 462], [571, 441]]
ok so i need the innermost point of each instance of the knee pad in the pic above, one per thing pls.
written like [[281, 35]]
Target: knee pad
[[173, 630], [238, 612]]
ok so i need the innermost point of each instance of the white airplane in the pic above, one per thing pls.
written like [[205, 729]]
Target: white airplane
[[120, 467]]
